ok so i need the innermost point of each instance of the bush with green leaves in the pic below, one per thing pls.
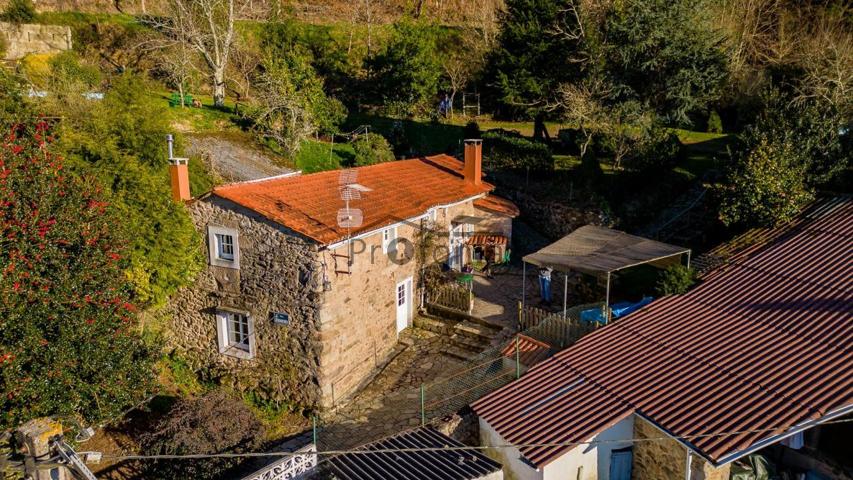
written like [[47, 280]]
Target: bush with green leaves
[[19, 11], [813, 130], [213, 423], [408, 69], [675, 280], [121, 139], [505, 149], [291, 104], [69, 341], [656, 149], [766, 186], [370, 149], [715, 123]]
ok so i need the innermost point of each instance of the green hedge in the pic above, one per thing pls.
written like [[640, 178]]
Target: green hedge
[[505, 149]]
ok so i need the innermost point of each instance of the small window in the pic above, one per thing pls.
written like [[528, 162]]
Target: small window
[[235, 331], [401, 294], [388, 237], [223, 246]]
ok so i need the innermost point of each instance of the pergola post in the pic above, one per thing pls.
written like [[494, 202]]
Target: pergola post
[[565, 292], [688, 259], [523, 291], [607, 301]]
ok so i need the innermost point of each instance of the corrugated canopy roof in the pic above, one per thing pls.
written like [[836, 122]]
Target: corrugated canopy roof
[[761, 346], [595, 250], [432, 464]]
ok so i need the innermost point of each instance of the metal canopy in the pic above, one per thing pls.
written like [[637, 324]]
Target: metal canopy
[[599, 250]]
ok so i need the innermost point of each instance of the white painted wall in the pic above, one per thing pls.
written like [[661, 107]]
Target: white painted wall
[[514, 468], [595, 459]]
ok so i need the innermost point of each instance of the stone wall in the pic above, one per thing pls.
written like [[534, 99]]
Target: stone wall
[[358, 315], [278, 272], [21, 40], [658, 459]]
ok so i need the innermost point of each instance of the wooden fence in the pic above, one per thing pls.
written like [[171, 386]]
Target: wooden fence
[[554, 328], [453, 296]]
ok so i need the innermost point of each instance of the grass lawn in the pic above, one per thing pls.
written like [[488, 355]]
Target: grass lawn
[[315, 156]]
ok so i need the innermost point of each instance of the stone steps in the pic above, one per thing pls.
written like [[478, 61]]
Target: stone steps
[[469, 343], [475, 330], [434, 324], [458, 353]]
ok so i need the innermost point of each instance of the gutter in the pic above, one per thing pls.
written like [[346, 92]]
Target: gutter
[[840, 412], [333, 246]]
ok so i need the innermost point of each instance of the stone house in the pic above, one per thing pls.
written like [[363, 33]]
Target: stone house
[[744, 363], [311, 278]]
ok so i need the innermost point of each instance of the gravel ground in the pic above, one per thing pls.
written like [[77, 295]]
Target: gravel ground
[[233, 160]]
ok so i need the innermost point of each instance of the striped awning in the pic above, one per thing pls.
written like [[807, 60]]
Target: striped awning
[[487, 239]]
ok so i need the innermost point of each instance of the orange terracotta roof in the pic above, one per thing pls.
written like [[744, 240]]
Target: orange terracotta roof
[[496, 204], [309, 204], [486, 239], [530, 350]]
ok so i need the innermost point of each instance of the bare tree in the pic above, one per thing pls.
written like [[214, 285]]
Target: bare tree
[[462, 62], [283, 112], [245, 66], [206, 26], [178, 67]]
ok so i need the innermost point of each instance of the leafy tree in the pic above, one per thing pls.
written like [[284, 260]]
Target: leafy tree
[[766, 186], [122, 140], [538, 49], [664, 53], [675, 280], [19, 11], [68, 341], [370, 149], [213, 423], [408, 69], [291, 104], [816, 130]]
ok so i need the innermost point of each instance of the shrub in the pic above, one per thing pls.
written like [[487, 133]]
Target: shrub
[[68, 337], [213, 423], [715, 123], [656, 149], [472, 130], [19, 11], [370, 149], [504, 149], [675, 280], [121, 140], [766, 186]]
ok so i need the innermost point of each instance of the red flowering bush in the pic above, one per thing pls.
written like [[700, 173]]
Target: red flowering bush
[[69, 341]]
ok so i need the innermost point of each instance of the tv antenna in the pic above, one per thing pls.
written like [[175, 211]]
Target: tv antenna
[[348, 217]]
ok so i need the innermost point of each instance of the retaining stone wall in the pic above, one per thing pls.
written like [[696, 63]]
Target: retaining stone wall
[[21, 40]]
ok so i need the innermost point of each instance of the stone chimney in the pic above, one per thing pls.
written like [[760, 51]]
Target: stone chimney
[[179, 174], [474, 161]]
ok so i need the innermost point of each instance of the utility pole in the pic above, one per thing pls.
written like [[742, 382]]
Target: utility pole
[[46, 456]]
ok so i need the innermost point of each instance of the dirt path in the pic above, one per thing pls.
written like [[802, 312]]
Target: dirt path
[[234, 159]]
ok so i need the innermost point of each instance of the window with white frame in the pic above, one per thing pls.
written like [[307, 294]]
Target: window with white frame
[[223, 246], [235, 330], [389, 235]]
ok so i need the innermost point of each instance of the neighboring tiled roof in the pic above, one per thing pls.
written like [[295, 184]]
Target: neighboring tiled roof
[[415, 465], [530, 350], [485, 239], [764, 343], [309, 204], [496, 204]]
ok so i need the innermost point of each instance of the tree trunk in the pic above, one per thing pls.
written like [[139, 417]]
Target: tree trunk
[[540, 131], [181, 93], [219, 87]]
